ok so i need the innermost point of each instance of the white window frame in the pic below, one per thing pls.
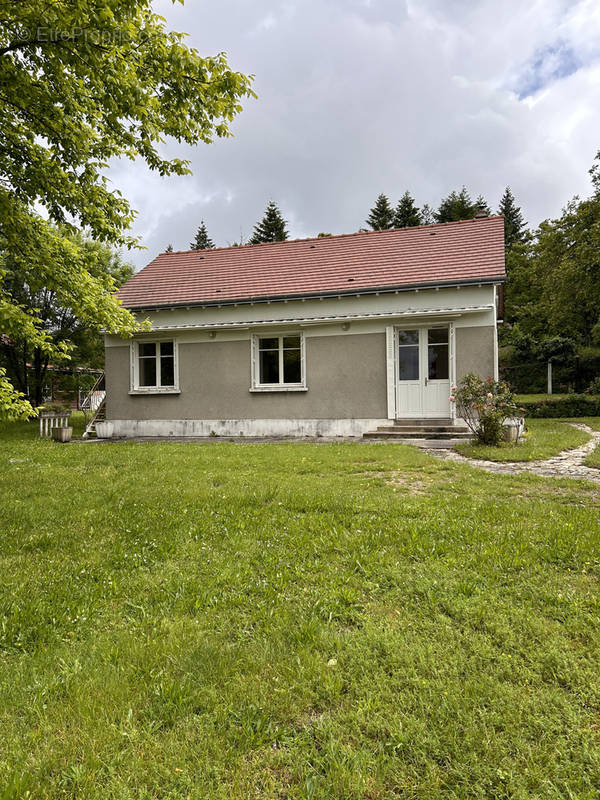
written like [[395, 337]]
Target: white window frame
[[134, 350], [256, 385]]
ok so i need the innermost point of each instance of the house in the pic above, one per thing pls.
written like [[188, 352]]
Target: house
[[329, 336]]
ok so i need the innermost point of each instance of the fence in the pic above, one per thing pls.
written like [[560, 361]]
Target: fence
[[531, 377]]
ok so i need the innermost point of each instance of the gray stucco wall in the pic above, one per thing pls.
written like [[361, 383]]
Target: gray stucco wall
[[475, 351], [346, 379]]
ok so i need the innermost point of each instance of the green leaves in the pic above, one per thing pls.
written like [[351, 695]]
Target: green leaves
[[81, 84]]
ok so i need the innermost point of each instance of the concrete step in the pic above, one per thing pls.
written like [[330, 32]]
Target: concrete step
[[425, 429], [424, 421], [421, 434]]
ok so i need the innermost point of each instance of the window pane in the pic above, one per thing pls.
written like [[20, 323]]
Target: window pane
[[147, 348], [292, 372], [268, 344], [166, 348], [147, 371], [269, 366], [291, 341], [408, 363], [167, 371], [438, 335], [408, 337], [438, 362]]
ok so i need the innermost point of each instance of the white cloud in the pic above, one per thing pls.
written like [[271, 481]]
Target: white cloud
[[374, 95]]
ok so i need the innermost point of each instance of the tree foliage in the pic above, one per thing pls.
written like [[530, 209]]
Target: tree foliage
[[553, 283], [26, 361], [381, 216], [202, 240], [82, 83], [456, 206], [407, 214], [271, 228], [514, 223]]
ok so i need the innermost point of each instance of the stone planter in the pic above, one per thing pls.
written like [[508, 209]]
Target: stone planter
[[512, 429], [104, 430], [62, 434]]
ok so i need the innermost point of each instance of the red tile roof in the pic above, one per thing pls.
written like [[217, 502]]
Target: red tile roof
[[461, 252]]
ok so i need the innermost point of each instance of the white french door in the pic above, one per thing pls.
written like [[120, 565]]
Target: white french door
[[423, 372]]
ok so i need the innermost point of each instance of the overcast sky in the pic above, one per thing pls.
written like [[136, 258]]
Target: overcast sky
[[357, 97]]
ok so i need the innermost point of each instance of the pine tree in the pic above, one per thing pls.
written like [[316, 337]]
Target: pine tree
[[457, 206], [169, 248], [427, 215], [482, 206], [202, 240], [381, 216], [271, 228], [514, 224], [407, 214]]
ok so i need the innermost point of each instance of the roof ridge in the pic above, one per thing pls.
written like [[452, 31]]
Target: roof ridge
[[332, 236]]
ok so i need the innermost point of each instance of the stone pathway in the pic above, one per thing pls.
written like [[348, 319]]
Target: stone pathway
[[568, 464]]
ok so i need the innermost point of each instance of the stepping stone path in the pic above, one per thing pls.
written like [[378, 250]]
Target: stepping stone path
[[568, 464]]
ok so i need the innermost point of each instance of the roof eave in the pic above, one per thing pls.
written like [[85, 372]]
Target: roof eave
[[317, 295]]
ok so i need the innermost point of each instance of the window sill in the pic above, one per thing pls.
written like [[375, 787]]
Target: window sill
[[259, 389], [154, 390]]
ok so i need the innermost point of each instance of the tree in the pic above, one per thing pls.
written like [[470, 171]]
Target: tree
[[84, 83], [26, 362], [514, 224], [482, 206], [271, 228], [427, 215], [381, 216], [407, 214], [456, 206], [202, 240]]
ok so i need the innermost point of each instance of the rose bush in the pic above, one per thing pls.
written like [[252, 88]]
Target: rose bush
[[484, 405]]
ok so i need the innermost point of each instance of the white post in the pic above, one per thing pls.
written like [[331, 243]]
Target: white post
[[549, 376]]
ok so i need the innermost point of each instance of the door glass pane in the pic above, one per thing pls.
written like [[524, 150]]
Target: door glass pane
[[437, 335], [291, 341], [269, 366], [408, 337], [148, 371], [438, 362], [167, 371], [291, 366], [166, 348], [408, 363]]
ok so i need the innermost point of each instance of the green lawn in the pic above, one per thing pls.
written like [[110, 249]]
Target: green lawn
[[544, 438], [293, 621], [538, 398]]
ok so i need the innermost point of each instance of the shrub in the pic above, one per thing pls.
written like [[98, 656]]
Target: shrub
[[594, 387], [55, 408], [575, 405], [484, 405]]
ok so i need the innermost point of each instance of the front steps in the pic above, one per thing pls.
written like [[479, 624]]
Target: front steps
[[409, 429]]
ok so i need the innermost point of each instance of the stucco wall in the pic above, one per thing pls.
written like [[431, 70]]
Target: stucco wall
[[475, 351], [346, 378]]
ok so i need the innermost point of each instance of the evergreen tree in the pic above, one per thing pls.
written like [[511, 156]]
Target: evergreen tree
[[271, 228], [514, 224], [407, 214], [456, 206], [202, 240], [169, 248], [483, 206], [427, 215], [381, 216]]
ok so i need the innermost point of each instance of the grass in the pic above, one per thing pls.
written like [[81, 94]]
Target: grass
[[293, 621], [543, 438]]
